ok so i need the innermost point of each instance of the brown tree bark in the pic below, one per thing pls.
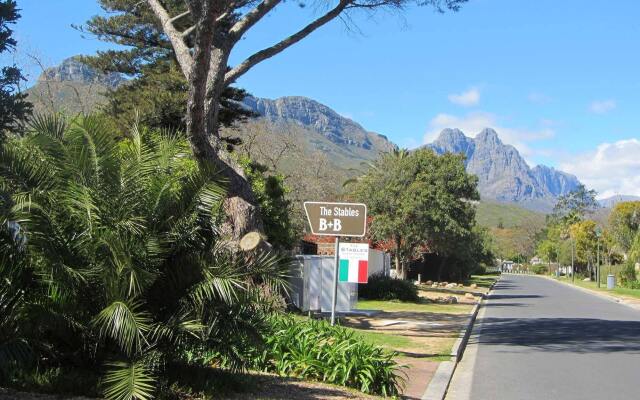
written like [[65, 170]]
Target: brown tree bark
[[202, 51]]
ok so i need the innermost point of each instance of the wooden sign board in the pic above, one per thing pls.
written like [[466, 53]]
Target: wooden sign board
[[336, 219]]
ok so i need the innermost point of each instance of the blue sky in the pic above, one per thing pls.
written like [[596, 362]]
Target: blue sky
[[557, 79]]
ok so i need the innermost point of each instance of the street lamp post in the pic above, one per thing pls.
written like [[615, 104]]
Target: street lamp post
[[598, 234], [573, 268]]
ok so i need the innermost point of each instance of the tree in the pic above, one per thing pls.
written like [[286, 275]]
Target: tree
[[549, 250], [157, 98], [575, 206], [419, 200], [13, 104], [201, 35], [624, 223], [127, 276], [583, 234]]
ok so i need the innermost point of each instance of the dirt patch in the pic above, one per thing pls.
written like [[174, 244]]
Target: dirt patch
[[8, 394], [429, 339], [277, 388]]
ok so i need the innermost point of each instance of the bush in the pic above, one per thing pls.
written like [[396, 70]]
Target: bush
[[111, 261], [316, 350], [540, 269], [627, 274], [382, 287]]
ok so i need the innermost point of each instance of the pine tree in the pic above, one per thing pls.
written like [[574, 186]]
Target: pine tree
[[13, 104]]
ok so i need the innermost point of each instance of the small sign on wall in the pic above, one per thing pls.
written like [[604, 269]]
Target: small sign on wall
[[354, 262]]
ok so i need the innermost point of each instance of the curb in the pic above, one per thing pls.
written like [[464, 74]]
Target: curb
[[439, 384]]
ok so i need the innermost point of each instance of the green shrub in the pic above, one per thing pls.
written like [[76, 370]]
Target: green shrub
[[382, 287], [627, 274], [111, 261], [540, 269], [313, 349]]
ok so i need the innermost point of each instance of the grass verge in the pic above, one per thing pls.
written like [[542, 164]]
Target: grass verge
[[618, 291], [422, 307]]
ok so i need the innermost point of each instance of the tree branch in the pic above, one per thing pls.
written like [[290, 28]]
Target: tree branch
[[180, 16], [181, 49], [252, 17], [269, 52]]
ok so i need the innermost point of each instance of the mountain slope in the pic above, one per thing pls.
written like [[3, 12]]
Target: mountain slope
[[503, 175], [72, 87], [327, 131]]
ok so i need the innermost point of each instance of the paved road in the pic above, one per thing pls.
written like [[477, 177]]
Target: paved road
[[540, 339]]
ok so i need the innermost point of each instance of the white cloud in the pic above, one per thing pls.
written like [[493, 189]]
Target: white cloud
[[472, 123], [602, 106], [467, 98], [612, 169]]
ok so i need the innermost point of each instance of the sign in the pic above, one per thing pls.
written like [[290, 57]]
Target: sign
[[354, 262], [336, 219]]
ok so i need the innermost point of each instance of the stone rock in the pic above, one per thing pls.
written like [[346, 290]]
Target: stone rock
[[586, 279], [452, 300], [435, 286], [460, 285], [429, 283], [469, 296], [450, 286], [473, 286]]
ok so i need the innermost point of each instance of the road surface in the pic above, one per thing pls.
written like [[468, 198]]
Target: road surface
[[540, 339]]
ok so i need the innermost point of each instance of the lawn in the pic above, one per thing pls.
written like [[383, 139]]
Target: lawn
[[397, 306], [620, 291], [483, 281]]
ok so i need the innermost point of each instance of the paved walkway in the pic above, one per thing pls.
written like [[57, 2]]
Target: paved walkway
[[539, 339]]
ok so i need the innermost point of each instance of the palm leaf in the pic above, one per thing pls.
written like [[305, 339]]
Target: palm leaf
[[128, 381], [124, 323]]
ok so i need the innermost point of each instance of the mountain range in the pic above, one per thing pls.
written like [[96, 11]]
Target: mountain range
[[503, 174]]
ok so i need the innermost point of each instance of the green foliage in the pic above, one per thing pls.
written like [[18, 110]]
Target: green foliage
[[627, 275], [316, 350], [275, 208], [110, 250], [540, 269], [157, 96], [624, 223], [381, 287], [575, 206], [13, 105], [420, 199]]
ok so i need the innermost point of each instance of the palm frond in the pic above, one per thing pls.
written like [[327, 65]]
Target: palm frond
[[128, 381], [125, 323]]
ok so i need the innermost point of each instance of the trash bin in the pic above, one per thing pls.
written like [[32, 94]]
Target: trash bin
[[611, 281]]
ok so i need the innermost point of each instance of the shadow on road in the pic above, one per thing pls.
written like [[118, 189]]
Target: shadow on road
[[514, 296], [576, 335]]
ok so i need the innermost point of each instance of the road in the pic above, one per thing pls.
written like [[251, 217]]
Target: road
[[540, 339]]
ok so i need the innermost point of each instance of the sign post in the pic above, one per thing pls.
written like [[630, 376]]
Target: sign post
[[338, 219], [336, 271]]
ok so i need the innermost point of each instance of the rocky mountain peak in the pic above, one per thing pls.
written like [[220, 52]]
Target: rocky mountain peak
[[503, 175], [489, 137], [73, 70]]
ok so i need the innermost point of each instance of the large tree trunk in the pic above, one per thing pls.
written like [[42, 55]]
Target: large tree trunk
[[207, 83], [399, 268]]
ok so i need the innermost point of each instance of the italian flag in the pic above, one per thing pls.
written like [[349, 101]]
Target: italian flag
[[354, 271]]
